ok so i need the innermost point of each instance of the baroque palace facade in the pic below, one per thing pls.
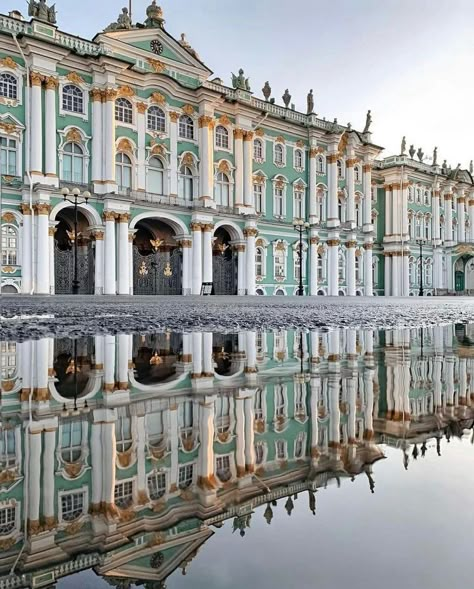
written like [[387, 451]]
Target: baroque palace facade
[[137, 446], [195, 183]]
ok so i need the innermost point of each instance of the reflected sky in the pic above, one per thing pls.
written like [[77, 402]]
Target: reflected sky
[[322, 459]]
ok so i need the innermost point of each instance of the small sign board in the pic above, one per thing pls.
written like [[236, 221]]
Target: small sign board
[[206, 288]]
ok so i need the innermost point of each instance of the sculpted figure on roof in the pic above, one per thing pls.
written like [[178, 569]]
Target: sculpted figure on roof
[[42, 11], [154, 16], [123, 23]]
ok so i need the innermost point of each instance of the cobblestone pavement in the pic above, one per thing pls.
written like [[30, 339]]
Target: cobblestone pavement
[[25, 317]]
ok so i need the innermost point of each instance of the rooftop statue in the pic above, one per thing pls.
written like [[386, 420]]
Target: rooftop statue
[[267, 91], [420, 153], [471, 167], [154, 16], [240, 82], [368, 122], [310, 100], [184, 43], [286, 98], [123, 23], [435, 156], [42, 11], [404, 146], [412, 151]]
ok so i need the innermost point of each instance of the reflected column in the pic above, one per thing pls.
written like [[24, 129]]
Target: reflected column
[[240, 435], [34, 481], [49, 494], [206, 479]]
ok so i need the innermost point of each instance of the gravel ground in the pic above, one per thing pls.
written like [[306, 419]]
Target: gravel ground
[[67, 316]]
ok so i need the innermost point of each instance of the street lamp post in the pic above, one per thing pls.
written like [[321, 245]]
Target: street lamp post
[[76, 193], [420, 242], [300, 226]]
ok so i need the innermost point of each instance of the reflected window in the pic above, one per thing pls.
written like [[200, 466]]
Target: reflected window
[[299, 445], [8, 358], [222, 414], [223, 468], [123, 494], [156, 485], [258, 404], [259, 453], [72, 506], [123, 434], [7, 448], [281, 450], [186, 475], [71, 442], [7, 520], [154, 428], [280, 402]]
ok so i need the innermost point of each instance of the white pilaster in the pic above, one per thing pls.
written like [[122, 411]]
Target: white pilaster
[[241, 260], [250, 234], [313, 207], [461, 217], [97, 147], [34, 481], [206, 151], [240, 436], [249, 435], [248, 175], [141, 151], [36, 125], [471, 216], [99, 262], [42, 249], [52, 285], [109, 138], [186, 245], [208, 230], [123, 253], [49, 470], [197, 258], [333, 267], [368, 274], [367, 201], [350, 266], [174, 155], [26, 260], [239, 167], [110, 271], [51, 152], [313, 261]]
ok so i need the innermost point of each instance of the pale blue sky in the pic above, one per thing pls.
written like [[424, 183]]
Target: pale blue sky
[[410, 61]]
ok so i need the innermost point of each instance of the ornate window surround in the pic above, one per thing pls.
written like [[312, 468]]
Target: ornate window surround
[[72, 134], [82, 85], [8, 66]]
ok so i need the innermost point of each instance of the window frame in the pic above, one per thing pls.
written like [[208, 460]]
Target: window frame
[[9, 86], [279, 148], [10, 255], [73, 156], [258, 158], [184, 180], [161, 169], [220, 183], [124, 107], [124, 165], [222, 138], [78, 509], [298, 158], [187, 123], [160, 118], [9, 151], [74, 99]]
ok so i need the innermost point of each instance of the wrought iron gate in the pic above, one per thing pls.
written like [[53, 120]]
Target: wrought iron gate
[[64, 270], [224, 274], [151, 273]]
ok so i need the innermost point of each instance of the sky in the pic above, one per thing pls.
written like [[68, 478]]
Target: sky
[[409, 61]]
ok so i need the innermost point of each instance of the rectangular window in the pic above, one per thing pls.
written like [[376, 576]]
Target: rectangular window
[[258, 196], [8, 154], [223, 468], [279, 263], [72, 506], [278, 202], [7, 446], [7, 520], [123, 494], [9, 245], [185, 476], [157, 485], [298, 205]]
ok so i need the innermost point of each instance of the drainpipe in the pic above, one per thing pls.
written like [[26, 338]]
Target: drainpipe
[[27, 158]]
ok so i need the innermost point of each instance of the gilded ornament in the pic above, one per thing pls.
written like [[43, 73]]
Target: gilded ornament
[[186, 243], [142, 107], [74, 135], [125, 145], [109, 215], [174, 116], [195, 226], [248, 136], [75, 78], [300, 144], [42, 208], [332, 158], [351, 244], [188, 109], [224, 120], [260, 243], [259, 179], [8, 385], [110, 94], [51, 83], [125, 91], [52, 231], [9, 128], [158, 149], [97, 235], [73, 528], [205, 121], [123, 217], [368, 246], [223, 167], [156, 65], [250, 232], [343, 143], [95, 94], [259, 132], [280, 246], [36, 78], [313, 152], [8, 217], [280, 139], [8, 62], [8, 269], [208, 227], [314, 240], [367, 167], [7, 544], [279, 183], [239, 133], [187, 159], [300, 187], [73, 469], [333, 242]]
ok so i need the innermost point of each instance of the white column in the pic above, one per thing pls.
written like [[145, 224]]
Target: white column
[[350, 211], [249, 435], [313, 208], [96, 464], [197, 258], [313, 261], [240, 436], [333, 268], [368, 274], [51, 152], [26, 261], [186, 245], [41, 365], [438, 268], [197, 343], [388, 275], [435, 227], [395, 278], [350, 266], [109, 363], [471, 217], [123, 252], [405, 281], [206, 151], [110, 271], [174, 444], [130, 259], [206, 479], [141, 461], [367, 202], [448, 217], [122, 367], [49, 470], [239, 167], [42, 249], [174, 154], [333, 212], [109, 136], [97, 147], [207, 360], [99, 262], [248, 175], [109, 453], [461, 218], [52, 285], [141, 151], [241, 260], [250, 235], [36, 125], [34, 482], [208, 230], [251, 348]]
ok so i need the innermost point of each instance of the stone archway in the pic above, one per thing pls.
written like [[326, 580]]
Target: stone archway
[[157, 259], [64, 244], [224, 263], [72, 365]]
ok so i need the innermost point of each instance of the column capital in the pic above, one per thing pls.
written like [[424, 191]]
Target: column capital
[[250, 232], [195, 226], [367, 168], [185, 243], [109, 95], [25, 208], [52, 231], [351, 162], [174, 116], [142, 107], [239, 133], [123, 217], [51, 83], [42, 208], [351, 244], [205, 121], [333, 242], [239, 247], [248, 135], [95, 94], [207, 227], [109, 215], [97, 235], [36, 78], [332, 158], [368, 246]]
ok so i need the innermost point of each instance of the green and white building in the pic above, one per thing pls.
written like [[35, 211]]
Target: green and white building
[[195, 183]]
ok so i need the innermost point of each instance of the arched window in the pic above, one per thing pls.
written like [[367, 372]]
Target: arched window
[[258, 150], [186, 127], [299, 445], [123, 111], [411, 224], [156, 119], [358, 212], [73, 163], [427, 197], [298, 159], [155, 178], [222, 412], [411, 271], [223, 190], [298, 204], [73, 99], [321, 196], [357, 174], [419, 226], [341, 208], [410, 194], [279, 154], [320, 164], [71, 442], [156, 485], [8, 86], [123, 170], [260, 261], [7, 448], [8, 156], [427, 229], [222, 137], [428, 272], [281, 450], [223, 471], [9, 245], [375, 270], [418, 195], [186, 183], [340, 171]]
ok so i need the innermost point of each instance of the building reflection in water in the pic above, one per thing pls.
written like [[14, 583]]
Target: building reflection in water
[[121, 453]]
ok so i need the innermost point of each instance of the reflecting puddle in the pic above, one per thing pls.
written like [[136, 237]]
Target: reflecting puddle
[[127, 460]]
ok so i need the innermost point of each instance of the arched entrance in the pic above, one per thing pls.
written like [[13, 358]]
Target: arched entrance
[[157, 259], [224, 264], [155, 357], [64, 243], [72, 366], [464, 274]]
